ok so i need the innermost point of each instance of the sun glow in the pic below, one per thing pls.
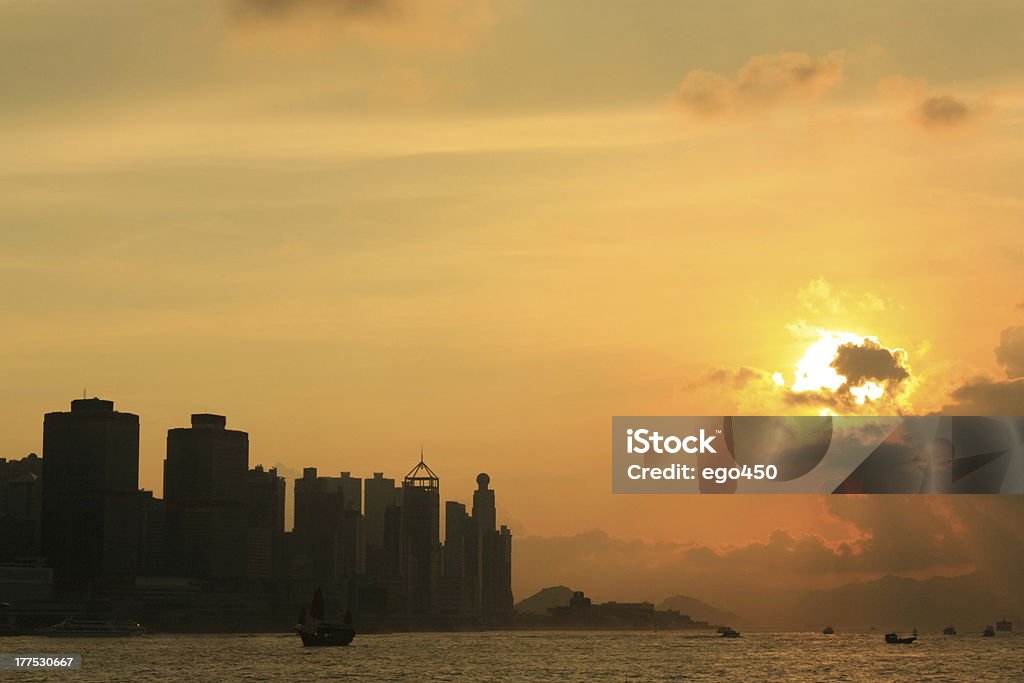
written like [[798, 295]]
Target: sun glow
[[814, 371], [818, 371]]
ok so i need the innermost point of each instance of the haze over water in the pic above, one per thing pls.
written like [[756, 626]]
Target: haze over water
[[534, 655]]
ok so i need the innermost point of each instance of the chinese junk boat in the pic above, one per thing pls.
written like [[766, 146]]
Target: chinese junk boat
[[893, 639], [828, 630], [315, 632], [949, 631]]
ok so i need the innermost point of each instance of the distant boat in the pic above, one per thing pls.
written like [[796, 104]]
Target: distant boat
[[949, 631], [894, 639], [315, 632], [828, 630], [988, 632], [729, 632], [92, 628], [1004, 625], [914, 632]]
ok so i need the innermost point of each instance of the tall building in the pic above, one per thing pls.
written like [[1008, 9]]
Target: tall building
[[456, 586], [205, 491], [265, 524], [20, 506], [421, 550], [328, 526], [494, 555], [153, 535], [380, 495], [90, 507]]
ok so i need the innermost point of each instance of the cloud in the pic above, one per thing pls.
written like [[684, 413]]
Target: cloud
[[848, 373], [736, 378], [943, 111], [930, 109], [994, 395], [382, 23], [987, 396], [764, 81], [819, 297], [280, 9], [1010, 352], [898, 534], [870, 361]]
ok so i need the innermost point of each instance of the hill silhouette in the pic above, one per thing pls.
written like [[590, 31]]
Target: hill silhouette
[[700, 610], [539, 602]]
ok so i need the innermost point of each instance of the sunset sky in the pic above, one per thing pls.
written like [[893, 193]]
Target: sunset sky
[[486, 226]]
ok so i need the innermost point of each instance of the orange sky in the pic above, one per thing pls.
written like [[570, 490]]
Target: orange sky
[[487, 226]]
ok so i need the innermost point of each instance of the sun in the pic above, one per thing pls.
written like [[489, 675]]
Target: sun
[[816, 371]]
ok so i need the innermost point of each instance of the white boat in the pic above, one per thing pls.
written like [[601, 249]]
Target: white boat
[[92, 628]]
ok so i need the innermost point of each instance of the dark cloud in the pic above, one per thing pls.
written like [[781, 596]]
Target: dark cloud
[[736, 378], [870, 361], [861, 363], [995, 396], [943, 111], [388, 24], [987, 396], [764, 81], [1010, 352], [279, 9]]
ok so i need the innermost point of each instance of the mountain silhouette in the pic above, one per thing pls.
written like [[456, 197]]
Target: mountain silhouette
[[539, 602], [700, 610]]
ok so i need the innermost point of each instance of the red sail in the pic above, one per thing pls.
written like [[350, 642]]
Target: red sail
[[316, 610]]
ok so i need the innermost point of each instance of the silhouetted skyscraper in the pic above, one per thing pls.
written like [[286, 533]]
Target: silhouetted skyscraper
[[153, 535], [327, 528], [456, 587], [90, 506], [421, 550], [205, 490], [265, 532], [20, 506], [379, 495], [493, 555]]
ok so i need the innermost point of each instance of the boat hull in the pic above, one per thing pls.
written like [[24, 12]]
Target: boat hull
[[337, 637], [97, 634]]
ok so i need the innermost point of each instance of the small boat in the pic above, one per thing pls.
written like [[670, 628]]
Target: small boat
[[949, 631], [988, 632], [828, 630], [730, 633], [1004, 625], [315, 632], [92, 628], [894, 639], [914, 632]]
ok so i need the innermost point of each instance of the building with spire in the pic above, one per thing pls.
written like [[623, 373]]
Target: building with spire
[[421, 547]]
